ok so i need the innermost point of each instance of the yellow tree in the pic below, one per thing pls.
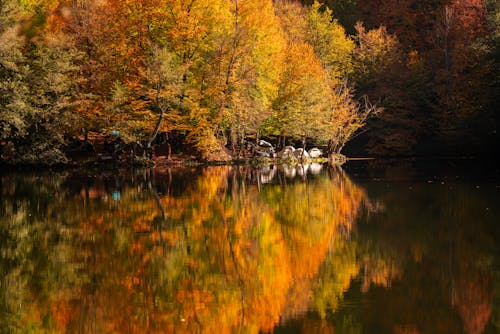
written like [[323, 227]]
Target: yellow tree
[[242, 71], [192, 30], [330, 42], [154, 50], [336, 52], [303, 94], [315, 100]]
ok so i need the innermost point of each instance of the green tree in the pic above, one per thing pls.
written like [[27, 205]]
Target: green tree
[[38, 89], [13, 88]]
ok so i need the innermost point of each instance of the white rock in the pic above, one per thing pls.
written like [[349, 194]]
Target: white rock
[[315, 168], [315, 152], [264, 143], [302, 169], [299, 153], [287, 152]]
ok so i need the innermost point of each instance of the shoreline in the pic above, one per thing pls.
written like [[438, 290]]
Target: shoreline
[[181, 161], [176, 161]]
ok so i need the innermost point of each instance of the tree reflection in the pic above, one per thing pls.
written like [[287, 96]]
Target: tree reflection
[[428, 257], [234, 249], [225, 254]]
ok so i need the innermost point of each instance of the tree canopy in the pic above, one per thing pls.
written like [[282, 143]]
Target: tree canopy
[[221, 72], [228, 71]]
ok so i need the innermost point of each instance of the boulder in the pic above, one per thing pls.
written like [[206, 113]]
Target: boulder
[[264, 149], [287, 152], [263, 143], [302, 169], [290, 171], [300, 153], [315, 153], [262, 154]]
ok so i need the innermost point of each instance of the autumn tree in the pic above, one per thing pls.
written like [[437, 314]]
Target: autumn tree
[[13, 112], [345, 115], [445, 74], [302, 95], [245, 69], [383, 73], [330, 42], [464, 79], [221, 72], [303, 91], [92, 25], [39, 76], [326, 111], [162, 47]]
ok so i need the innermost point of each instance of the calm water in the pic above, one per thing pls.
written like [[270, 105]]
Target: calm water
[[374, 248]]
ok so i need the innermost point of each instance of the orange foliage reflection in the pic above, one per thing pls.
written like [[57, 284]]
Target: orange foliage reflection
[[226, 255]]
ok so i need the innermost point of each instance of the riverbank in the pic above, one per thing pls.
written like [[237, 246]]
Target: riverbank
[[175, 160]]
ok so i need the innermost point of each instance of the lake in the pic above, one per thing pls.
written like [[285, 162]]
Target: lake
[[375, 247]]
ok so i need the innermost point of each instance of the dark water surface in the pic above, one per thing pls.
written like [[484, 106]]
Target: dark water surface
[[406, 247]]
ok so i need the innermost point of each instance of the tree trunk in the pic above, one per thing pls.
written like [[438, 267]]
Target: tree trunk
[[329, 147], [282, 142], [169, 151], [303, 147], [156, 130]]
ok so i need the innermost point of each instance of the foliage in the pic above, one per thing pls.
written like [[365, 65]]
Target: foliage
[[443, 82], [314, 98], [220, 71], [38, 93], [302, 100], [331, 45], [225, 72]]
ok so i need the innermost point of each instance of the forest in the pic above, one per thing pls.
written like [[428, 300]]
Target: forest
[[365, 77]]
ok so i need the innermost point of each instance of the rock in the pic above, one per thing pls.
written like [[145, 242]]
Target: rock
[[264, 143], [315, 153], [287, 152], [264, 149], [262, 154], [300, 153]]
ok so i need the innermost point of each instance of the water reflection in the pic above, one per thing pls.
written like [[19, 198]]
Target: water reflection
[[268, 174], [235, 249], [133, 254], [429, 253]]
